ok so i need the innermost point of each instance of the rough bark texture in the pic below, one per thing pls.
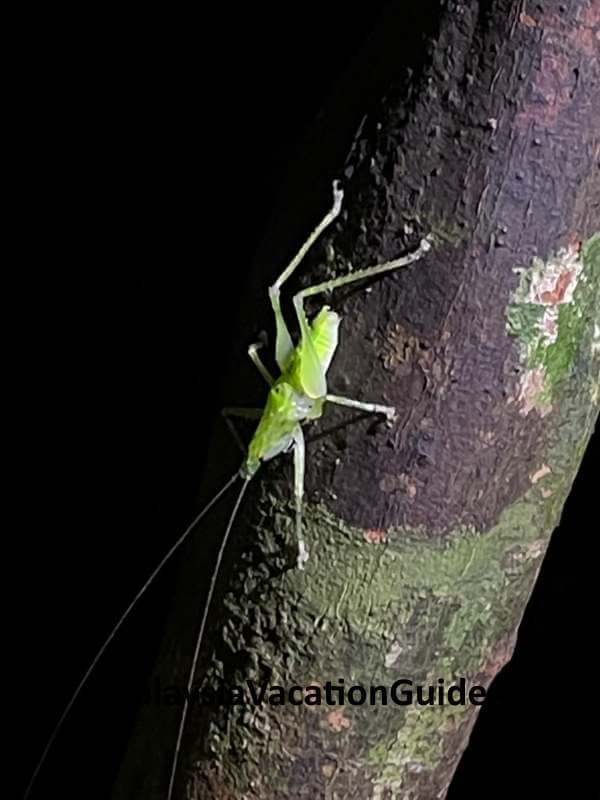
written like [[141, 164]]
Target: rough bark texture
[[426, 538]]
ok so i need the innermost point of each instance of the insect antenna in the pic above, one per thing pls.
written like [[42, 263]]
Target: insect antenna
[[200, 636], [122, 619]]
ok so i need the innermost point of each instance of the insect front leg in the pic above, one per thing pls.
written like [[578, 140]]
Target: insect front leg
[[299, 452], [257, 361]]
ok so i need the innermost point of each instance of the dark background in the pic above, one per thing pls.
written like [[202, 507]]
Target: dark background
[[156, 148]]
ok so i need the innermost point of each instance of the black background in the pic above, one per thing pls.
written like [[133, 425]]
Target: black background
[[156, 146]]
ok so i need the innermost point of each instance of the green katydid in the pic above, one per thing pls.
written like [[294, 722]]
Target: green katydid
[[298, 395]]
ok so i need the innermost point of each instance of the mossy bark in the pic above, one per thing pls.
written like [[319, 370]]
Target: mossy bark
[[425, 538]]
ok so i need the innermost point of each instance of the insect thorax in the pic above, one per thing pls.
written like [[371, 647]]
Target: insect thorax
[[286, 408]]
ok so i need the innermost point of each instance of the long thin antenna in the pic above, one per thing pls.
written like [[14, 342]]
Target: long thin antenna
[[200, 637], [114, 631]]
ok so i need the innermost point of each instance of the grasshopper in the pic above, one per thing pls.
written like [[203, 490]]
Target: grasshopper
[[297, 396]]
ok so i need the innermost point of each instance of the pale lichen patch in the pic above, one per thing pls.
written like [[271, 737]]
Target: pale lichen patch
[[488, 437], [328, 768], [552, 282], [549, 324], [549, 315], [526, 19], [337, 721], [596, 339], [374, 536], [531, 392], [417, 746], [540, 473], [393, 654]]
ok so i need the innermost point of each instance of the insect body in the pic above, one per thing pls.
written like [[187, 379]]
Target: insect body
[[300, 392], [296, 396]]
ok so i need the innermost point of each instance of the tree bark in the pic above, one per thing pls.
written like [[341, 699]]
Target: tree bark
[[425, 539]]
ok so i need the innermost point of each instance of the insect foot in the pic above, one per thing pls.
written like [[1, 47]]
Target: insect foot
[[338, 196], [302, 555], [391, 414]]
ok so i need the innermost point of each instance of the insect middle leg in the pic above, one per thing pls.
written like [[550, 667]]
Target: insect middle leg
[[242, 413]]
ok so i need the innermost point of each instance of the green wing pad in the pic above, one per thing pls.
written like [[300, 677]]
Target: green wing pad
[[324, 335]]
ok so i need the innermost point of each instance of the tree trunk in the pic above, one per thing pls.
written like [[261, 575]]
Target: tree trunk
[[425, 539]]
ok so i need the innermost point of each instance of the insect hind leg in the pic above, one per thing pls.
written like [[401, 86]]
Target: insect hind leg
[[283, 341], [362, 274]]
